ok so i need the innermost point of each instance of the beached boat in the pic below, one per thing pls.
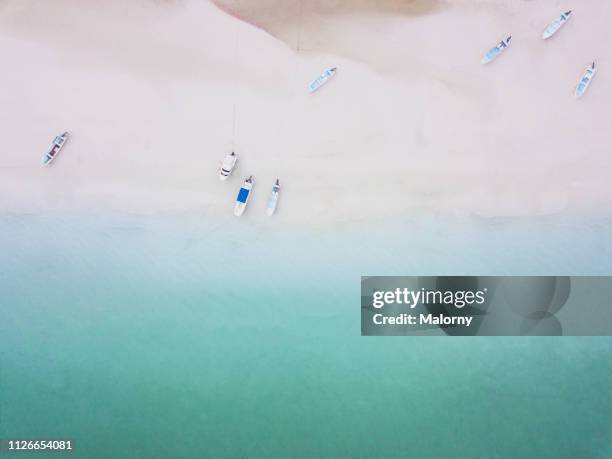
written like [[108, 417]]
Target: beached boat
[[228, 165], [496, 50], [322, 79], [586, 79], [54, 148], [273, 201], [554, 26], [243, 196]]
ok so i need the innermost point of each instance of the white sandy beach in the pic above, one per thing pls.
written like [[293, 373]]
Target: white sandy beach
[[412, 123]]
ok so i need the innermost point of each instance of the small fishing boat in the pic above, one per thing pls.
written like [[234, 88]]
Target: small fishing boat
[[322, 79], [227, 166], [273, 201], [554, 26], [586, 79], [496, 50], [243, 196], [54, 148]]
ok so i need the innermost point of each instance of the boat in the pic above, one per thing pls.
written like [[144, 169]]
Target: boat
[[227, 166], [54, 148], [586, 79], [273, 201], [554, 26], [496, 50], [322, 79], [243, 196]]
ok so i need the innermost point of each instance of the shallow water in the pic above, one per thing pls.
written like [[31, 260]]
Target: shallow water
[[173, 336]]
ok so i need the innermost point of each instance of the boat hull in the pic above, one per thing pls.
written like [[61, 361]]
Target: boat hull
[[227, 167], [495, 52], [585, 82], [272, 203], [54, 149], [322, 79], [555, 26], [239, 209], [243, 197]]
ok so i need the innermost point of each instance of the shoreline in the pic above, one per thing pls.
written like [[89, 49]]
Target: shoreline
[[419, 247]]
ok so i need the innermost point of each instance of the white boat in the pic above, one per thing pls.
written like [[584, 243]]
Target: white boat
[[586, 79], [322, 79], [54, 148], [227, 166], [554, 26], [243, 196], [496, 50], [273, 201]]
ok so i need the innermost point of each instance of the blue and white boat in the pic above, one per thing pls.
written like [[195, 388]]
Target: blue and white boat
[[322, 79], [554, 26], [243, 196], [54, 148], [273, 201], [496, 51], [586, 79]]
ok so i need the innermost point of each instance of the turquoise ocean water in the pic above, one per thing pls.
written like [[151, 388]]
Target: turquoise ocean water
[[179, 336]]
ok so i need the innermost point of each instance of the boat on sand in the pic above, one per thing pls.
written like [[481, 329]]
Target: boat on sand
[[322, 79], [273, 201], [243, 196], [227, 166], [586, 79], [494, 52], [554, 26], [54, 148]]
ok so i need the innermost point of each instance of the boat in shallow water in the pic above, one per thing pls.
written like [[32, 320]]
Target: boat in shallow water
[[243, 196], [586, 79], [494, 52], [554, 26], [322, 79], [54, 148], [273, 201]]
